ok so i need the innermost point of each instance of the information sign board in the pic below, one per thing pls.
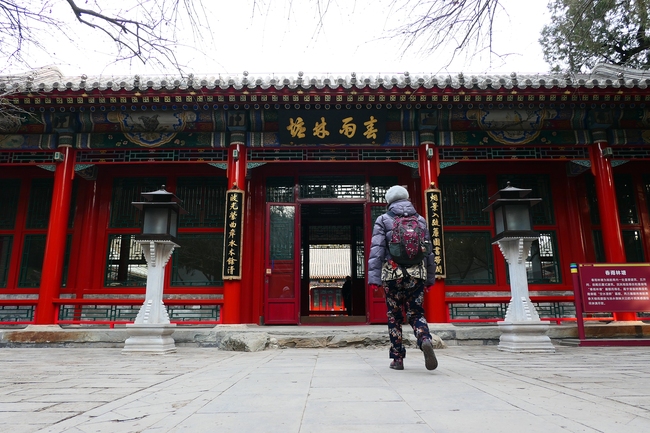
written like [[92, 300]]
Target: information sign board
[[608, 287]]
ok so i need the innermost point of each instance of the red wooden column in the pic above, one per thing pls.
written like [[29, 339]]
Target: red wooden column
[[53, 260], [429, 167], [610, 224], [88, 250], [236, 179], [253, 284]]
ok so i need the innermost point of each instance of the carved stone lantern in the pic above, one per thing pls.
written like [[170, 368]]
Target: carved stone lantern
[[511, 212], [160, 215], [521, 329], [151, 331]]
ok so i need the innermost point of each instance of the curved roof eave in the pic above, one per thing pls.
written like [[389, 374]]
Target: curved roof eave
[[602, 76]]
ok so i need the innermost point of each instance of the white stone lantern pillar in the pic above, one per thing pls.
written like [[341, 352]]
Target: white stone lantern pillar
[[151, 332], [521, 330]]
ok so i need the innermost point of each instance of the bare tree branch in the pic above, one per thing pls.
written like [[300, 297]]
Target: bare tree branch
[[146, 30], [437, 24]]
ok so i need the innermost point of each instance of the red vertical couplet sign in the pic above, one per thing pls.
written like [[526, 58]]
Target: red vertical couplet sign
[[433, 198], [232, 242]]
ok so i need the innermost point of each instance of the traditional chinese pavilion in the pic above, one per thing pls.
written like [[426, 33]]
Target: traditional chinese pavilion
[[268, 167]]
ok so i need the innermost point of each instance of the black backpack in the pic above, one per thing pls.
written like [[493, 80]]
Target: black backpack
[[409, 244]]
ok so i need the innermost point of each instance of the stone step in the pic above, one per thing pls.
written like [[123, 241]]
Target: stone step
[[255, 338]]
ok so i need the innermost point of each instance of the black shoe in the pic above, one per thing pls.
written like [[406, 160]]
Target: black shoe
[[397, 364], [430, 361]]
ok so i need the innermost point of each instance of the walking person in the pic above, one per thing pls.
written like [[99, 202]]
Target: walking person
[[403, 284]]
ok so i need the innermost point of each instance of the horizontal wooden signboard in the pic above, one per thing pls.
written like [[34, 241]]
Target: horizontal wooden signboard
[[312, 127]]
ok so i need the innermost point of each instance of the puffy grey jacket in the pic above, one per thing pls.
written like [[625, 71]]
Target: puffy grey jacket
[[382, 233]]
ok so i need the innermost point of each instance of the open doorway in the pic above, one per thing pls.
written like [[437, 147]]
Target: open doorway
[[332, 249]]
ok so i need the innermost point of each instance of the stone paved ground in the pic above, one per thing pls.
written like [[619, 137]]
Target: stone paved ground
[[475, 389]]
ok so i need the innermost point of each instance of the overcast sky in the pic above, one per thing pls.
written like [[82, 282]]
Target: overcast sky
[[275, 40]]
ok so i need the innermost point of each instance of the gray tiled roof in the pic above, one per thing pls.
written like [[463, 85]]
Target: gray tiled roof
[[49, 78], [329, 262]]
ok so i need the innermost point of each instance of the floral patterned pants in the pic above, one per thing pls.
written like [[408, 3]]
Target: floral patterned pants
[[405, 295]]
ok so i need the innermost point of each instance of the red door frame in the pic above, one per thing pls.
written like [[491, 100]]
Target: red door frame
[[280, 310], [375, 298], [258, 181], [359, 202]]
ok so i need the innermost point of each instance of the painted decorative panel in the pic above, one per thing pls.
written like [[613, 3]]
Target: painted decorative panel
[[27, 141], [151, 140], [518, 137], [152, 129], [138, 122], [508, 119], [629, 137]]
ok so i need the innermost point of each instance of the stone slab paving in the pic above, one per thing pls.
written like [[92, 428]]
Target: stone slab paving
[[475, 389]]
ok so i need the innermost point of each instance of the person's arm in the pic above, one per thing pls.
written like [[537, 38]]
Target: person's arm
[[377, 254]]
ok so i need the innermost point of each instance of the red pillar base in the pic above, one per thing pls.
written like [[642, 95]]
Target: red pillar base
[[625, 317], [232, 303]]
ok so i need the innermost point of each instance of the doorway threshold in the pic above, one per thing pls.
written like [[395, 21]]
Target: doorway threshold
[[333, 320]]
